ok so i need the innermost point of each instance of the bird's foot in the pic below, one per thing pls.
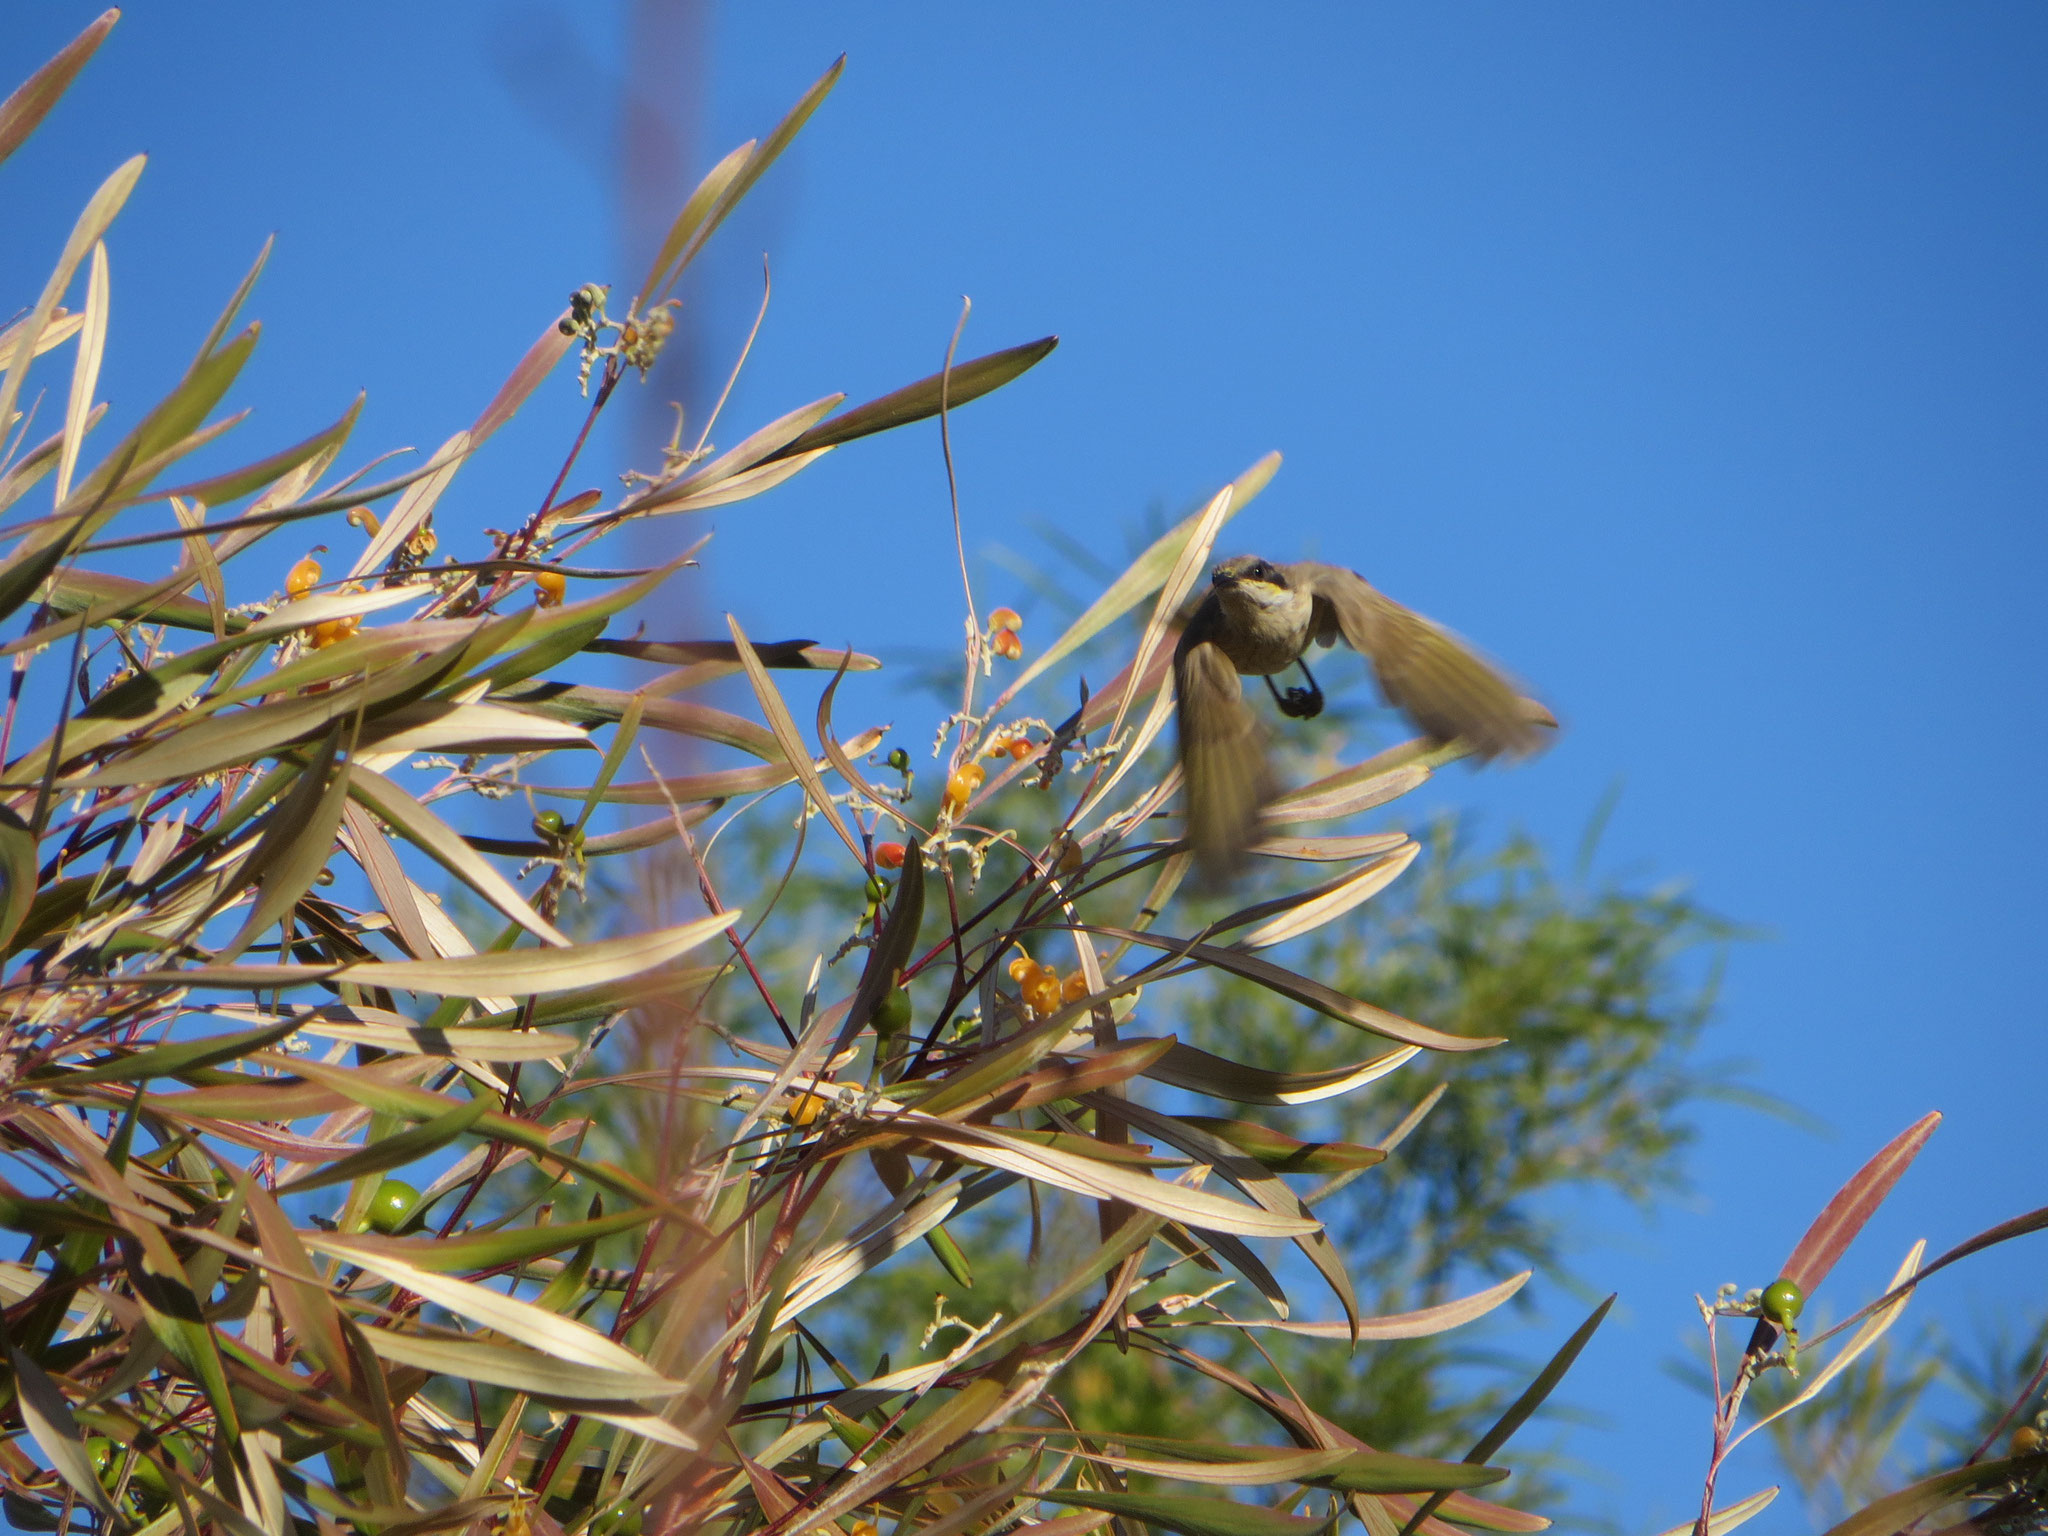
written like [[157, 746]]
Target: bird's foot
[[1301, 703]]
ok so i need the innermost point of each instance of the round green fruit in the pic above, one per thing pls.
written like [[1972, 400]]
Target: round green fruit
[[1783, 1301], [392, 1206], [892, 1013]]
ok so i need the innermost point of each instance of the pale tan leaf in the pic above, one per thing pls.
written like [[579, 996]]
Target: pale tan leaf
[[1141, 578], [85, 371], [509, 1365], [1729, 1516], [1103, 1181], [474, 1044], [1873, 1328], [414, 507], [549, 1332], [446, 847], [794, 751], [85, 234], [1394, 1325], [436, 725], [1339, 897]]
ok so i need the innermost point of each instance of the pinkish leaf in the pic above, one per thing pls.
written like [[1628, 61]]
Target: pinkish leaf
[[1836, 1227], [538, 363]]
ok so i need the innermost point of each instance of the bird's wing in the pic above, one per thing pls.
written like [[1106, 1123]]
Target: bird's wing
[[1225, 778], [1431, 675]]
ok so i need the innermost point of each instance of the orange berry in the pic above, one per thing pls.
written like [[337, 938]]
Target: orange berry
[[1004, 643], [549, 586], [1074, 988], [333, 631], [1005, 618], [1042, 991], [889, 855], [1021, 966], [302, 578]]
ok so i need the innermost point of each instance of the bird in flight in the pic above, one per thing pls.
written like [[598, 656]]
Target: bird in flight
[[1259, 619]]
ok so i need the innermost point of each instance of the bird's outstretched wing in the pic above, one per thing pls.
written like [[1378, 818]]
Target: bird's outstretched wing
[[1225, 778], [1437, 680]]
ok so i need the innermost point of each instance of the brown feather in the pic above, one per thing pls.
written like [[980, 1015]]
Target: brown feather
[[1225, 777], [1443, 685]]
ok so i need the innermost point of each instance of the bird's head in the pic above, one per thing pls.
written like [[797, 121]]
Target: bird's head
[[1241, 571]]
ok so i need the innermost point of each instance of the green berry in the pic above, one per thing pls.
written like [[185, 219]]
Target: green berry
[[549, 823], [892, 1013], [899, 760], [1782, 1302], [392, 1206], [877, 888]]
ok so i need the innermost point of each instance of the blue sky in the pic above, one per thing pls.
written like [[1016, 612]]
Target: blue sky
[[1688, 358]]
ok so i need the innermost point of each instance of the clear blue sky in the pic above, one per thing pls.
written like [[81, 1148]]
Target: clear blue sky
[[1691, 358]]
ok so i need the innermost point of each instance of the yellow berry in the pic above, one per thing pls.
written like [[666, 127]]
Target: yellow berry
[[1074, 988], [302, 578], [1005, 618], [549, 587], [1004, 643]]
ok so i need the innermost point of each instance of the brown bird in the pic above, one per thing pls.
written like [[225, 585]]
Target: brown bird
[[1258, 619]]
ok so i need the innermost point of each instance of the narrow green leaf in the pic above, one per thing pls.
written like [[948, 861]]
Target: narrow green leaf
[[967, 382], [794, 751], [1519, 1411], [219, 490], [295, 844], [1900, 1510], [1312, 994], [892, 949], [1187, 1515], [170, 1060], [49, 1421], [393, 1151], [1282, 1152], [750, 170]]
